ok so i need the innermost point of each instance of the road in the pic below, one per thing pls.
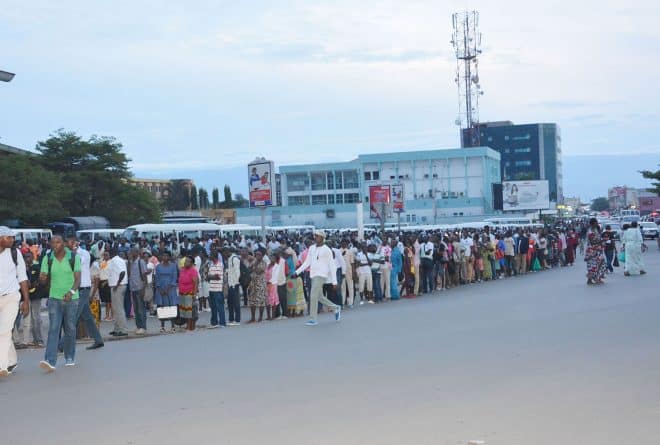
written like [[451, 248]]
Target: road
[[541, 359]]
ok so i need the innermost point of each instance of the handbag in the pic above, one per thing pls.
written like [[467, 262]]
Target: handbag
[[615, 263], [622, 256], [166, 312]]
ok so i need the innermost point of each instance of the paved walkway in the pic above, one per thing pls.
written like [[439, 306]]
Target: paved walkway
[[542, 359]]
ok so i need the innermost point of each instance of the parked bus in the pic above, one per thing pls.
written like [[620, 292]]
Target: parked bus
[[151, 231], [91, 236], [32, 235]]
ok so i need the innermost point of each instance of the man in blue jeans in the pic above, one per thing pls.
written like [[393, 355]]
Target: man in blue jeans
[[62, 268], [137, 279], [84, 312], [233, 274], [214, 275]]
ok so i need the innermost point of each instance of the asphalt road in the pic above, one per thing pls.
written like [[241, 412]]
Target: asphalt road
[[542, 359]]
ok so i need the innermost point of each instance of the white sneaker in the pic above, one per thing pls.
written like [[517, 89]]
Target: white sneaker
[[140, 331], [46, 366]]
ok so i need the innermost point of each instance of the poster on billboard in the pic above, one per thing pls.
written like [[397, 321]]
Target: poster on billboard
[[525, 195], [397, 199], [260, 175], [379, 199]]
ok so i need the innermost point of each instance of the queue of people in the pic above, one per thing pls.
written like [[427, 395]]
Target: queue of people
[[286, 275]]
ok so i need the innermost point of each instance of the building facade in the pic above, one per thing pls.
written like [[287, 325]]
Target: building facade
[[439, 186], [527, 152]]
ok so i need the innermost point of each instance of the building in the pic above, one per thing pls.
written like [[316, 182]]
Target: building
[[527, 152], [439, 186], [622, 197], [162, 188], [6, 150]]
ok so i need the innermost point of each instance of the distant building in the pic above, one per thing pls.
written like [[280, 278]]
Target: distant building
[[527, 152], [621, 197], [439, 185], [161, 188], [648, 202], [6, 150]]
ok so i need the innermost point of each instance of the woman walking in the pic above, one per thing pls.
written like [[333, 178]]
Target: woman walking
[[188, 285], [165, 282], [594, 254], [633, 245], [257, 293]]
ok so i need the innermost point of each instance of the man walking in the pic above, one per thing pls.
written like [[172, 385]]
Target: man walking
[[13, 285], [321, 270], [84, 312], [62, 268]]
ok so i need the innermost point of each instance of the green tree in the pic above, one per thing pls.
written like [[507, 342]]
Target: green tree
[[95, 178], [31, 194], [203, 198], [227, 193], [216, 197], [179, 196], [194, 200], [239, 201], [655, 176], [600, 204]]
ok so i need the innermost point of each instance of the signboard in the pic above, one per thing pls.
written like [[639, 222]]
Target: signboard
[[397, 199], [525, 195], [379, 198], [260, 180]]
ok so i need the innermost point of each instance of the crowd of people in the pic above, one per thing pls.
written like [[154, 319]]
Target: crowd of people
[[285, 275]]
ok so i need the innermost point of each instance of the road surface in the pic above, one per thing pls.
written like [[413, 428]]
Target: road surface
[[541, 359]]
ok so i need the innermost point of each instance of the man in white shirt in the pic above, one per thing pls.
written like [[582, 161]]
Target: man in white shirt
[[233, 270], [279, 280], [321, 270], [365, 280], [84, 291], [426, 257], [466, 245], [118, 280], [13, 285], [348, 288]]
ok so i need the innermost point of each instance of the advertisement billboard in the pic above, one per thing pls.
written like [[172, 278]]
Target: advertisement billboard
[[397, 199], [525, 195], [260, 180], [379, 198]]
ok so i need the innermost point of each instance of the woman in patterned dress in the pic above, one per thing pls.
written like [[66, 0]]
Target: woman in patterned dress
[[596, 267], [257, 288], [188, 286]]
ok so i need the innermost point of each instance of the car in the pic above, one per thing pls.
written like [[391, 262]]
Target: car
[[649, 230]]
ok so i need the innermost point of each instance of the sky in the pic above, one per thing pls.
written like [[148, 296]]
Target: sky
[[204, 85]]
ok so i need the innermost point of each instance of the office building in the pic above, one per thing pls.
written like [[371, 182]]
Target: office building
[[439, 186], [527, 152]]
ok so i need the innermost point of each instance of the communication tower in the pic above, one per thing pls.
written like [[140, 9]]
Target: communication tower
[[466, 40]]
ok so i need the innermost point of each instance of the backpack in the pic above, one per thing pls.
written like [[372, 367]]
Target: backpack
[[14, 255], [72, 262]]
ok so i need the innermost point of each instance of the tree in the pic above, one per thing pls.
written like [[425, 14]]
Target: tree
[[239, 201], [227, 193], [179, 196], [95, 178], [216, 197], [30, 195], [600, 204], [194, 200], [203, 198], [655, 176]]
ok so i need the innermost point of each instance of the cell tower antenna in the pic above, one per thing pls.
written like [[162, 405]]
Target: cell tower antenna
[[466, 40]]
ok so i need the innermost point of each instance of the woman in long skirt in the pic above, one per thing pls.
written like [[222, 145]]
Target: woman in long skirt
[[397, 265], [257, 293], [633, 243], [188, 286], [594, 257], [165, 281]]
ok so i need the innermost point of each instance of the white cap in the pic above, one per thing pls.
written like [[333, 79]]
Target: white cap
[[6, 231]]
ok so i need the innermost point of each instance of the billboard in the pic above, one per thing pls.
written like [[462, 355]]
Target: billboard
[[397, 199], [379, 198], [525, 195], [260, 179]]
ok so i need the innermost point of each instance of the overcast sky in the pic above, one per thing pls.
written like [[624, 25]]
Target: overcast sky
[[200, 84]]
